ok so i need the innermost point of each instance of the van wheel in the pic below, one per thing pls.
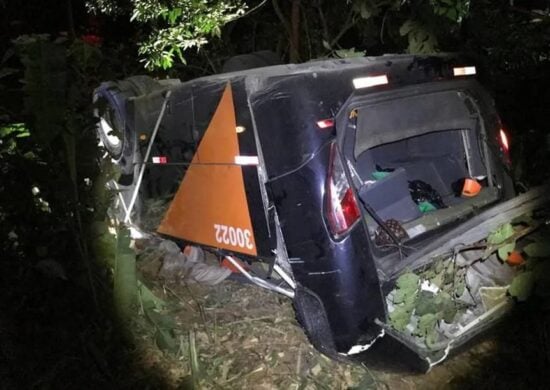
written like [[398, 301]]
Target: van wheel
[[109, 109], [114, 127], [311, 315]]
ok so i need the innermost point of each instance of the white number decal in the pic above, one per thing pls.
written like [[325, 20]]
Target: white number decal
[[225, 239], [218, 232], [240, 238], [233, 236], [247, 235]]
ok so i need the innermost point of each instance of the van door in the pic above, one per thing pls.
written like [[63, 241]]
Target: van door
[[218, 202]]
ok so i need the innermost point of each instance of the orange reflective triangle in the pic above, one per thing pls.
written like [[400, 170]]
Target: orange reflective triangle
[[210, 206]]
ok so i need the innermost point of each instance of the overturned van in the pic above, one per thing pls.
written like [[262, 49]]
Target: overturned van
[[346, 176]]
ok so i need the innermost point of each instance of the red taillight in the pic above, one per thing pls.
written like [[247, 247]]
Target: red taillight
[[504, 146], [325, 123], [504, 141], [341, 207]]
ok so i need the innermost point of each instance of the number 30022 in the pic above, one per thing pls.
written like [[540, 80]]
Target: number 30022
[[230, 235]]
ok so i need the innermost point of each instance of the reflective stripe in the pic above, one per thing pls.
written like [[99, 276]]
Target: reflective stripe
[[246, 160], [464, 71], [371, 81], [160, 160], [362, 348]]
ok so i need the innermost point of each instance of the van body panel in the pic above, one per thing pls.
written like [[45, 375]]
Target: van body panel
[[340, 272]]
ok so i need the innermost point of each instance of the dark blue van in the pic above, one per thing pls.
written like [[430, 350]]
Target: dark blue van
[[341, 175]]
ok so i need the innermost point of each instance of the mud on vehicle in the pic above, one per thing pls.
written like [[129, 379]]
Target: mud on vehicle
[[349, 178]]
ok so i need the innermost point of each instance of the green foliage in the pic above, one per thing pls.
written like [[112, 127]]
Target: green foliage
[[501, 234], [455, 10], [349, 53], [421, 39], [441, 305], [498, 237], [426, 324], [400, 317], [408, 281], [423, 23], [109, 7], [175, 26], [124, 276], [163, 323], [404, 299], [9, 135]]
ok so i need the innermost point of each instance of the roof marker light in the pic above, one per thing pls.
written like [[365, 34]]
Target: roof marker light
[[464, 71], [160, 160], [325, 123], [370, 81], [246, 160]]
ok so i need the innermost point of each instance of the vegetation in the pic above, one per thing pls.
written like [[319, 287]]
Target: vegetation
[[63, 309]]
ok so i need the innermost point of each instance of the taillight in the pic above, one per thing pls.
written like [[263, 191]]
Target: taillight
[[341, 207], [325, 123], [504, 143]]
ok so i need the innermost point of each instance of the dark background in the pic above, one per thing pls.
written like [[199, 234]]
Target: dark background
[[56, 331]]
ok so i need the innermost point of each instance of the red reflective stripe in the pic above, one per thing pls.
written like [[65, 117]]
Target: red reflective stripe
[[160, 160]]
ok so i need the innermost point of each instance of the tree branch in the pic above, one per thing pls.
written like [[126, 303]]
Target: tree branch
[[323, 23], [281, 16], [295, 31], [347, 25]]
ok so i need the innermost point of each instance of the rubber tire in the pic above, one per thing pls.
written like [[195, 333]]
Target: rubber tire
[[257, 59], [116, 95]]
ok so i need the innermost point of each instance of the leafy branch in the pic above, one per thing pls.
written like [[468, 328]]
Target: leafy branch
[[174, 26]]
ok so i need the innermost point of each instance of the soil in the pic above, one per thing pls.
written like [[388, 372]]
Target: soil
[[248, 338]]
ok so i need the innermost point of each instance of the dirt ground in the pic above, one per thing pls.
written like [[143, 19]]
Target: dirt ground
[[240, 336]]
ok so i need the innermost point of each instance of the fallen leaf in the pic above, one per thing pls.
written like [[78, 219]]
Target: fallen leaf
[[500, 234]]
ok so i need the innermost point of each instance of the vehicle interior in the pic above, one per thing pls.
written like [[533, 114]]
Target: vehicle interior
[[412, 157], [413, 160]]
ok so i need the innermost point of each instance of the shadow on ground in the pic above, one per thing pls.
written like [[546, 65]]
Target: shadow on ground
[[54, 336], [520, 358], [512, 355]]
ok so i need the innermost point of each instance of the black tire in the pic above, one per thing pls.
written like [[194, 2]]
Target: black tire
[[311, 315], [110, 111], [257, 59], [114, 128]]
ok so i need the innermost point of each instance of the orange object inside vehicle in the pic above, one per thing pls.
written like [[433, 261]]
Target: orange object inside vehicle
[[471, 188]]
